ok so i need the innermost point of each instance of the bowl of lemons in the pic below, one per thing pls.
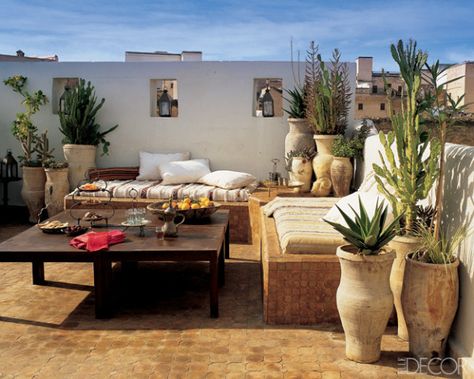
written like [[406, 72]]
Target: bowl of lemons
[[192, 210]]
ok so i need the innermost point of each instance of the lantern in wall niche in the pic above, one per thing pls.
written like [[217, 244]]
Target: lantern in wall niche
[[62, 99], [164, 104], [267, 104], [9, 167]]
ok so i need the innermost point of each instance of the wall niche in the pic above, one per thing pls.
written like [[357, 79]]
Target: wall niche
[[60, 88], [164, 98], [268, 97]]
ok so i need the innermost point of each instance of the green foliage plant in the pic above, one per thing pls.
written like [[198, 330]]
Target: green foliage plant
[[307, 154], [351, 147], [23, 128], [54, 164], [368, 235], [438, 249], [78, 120], [327, 90], [406, 176]]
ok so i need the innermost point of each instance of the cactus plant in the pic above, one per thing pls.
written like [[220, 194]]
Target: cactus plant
[[407, 175], [78, 122]]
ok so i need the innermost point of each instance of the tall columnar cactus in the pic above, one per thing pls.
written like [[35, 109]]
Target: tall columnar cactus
[[407, 174], [78, 123]]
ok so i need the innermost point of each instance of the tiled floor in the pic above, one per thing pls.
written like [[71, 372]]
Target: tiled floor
[[161, 328]]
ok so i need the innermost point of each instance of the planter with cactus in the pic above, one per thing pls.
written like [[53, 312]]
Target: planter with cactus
[[410, 165], [81, 132], [364, 298]]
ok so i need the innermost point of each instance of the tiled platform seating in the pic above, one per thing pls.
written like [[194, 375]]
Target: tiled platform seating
[[300, 269], [121, 180]]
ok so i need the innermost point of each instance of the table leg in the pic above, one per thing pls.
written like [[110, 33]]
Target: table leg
[[227, 242], [102, 276], [214, 286], [221, 263], [38, 272]]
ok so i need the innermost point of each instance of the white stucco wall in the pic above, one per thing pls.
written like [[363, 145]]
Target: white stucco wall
[[215, 111]]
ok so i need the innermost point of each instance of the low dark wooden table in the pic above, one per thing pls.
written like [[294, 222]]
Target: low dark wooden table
[[198, 242]]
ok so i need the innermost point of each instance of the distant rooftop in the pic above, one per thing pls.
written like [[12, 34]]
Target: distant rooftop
[[162, 56], [21, 57]]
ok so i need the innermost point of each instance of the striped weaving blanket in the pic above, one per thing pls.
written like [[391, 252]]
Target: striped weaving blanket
[[300, 227]]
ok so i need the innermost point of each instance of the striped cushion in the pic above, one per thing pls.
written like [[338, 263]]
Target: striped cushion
[[300, 227], [148, 189], [113, 173]]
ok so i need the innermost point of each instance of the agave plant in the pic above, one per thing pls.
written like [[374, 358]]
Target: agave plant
[[296, 102], [367, 234]]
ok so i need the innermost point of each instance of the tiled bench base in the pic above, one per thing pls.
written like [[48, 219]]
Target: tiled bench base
[[297, 289], [238, 218]]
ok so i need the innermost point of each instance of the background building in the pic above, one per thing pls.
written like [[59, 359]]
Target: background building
[[465, 85], [163, 56], [21, 57]]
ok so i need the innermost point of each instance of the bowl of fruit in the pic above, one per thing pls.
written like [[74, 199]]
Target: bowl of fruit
[[192, 210]]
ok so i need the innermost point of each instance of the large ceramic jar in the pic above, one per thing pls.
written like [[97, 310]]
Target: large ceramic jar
[[80, 159], [299, 137], [32, 190], [322, 164], [341, 176], [364, 301], [301, 171], [56, 188], [402, 245], [430, 299]]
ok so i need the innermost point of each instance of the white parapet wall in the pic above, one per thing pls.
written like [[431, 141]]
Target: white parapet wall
[[215, 121]]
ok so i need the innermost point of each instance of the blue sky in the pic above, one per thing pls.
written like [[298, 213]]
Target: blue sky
[[235, 30]]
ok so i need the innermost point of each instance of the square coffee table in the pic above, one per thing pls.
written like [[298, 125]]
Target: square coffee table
[[203, 242]]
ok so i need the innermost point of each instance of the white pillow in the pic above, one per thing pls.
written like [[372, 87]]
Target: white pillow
[[150, 163], [227, 179], [184, 171], [369, 201]]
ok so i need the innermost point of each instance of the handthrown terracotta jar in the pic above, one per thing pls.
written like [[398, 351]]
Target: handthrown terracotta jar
[[364, 301], [56, 188], [301, 171], [299, 137], [430, 299], [402, 245], [322, 165], [32, 190], [341, 176], [80, 159]]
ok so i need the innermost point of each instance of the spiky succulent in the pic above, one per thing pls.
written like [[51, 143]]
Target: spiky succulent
[[367, 234]]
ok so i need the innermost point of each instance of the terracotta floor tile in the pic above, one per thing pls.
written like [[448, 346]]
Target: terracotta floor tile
[[161, 328]]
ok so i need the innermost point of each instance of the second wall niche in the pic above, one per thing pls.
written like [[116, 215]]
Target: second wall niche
[[166, 92], [60, 87], [275, 90]]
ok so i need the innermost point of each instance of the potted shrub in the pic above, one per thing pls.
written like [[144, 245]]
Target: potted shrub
[[344, 151], [56, 186], [364, 298], [81, 132], [327, 105], [408, 172], [25, 132], [300, 136], [431, 283], [298, 165]]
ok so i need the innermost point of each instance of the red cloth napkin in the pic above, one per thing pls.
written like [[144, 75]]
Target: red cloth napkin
[[95, 241]]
